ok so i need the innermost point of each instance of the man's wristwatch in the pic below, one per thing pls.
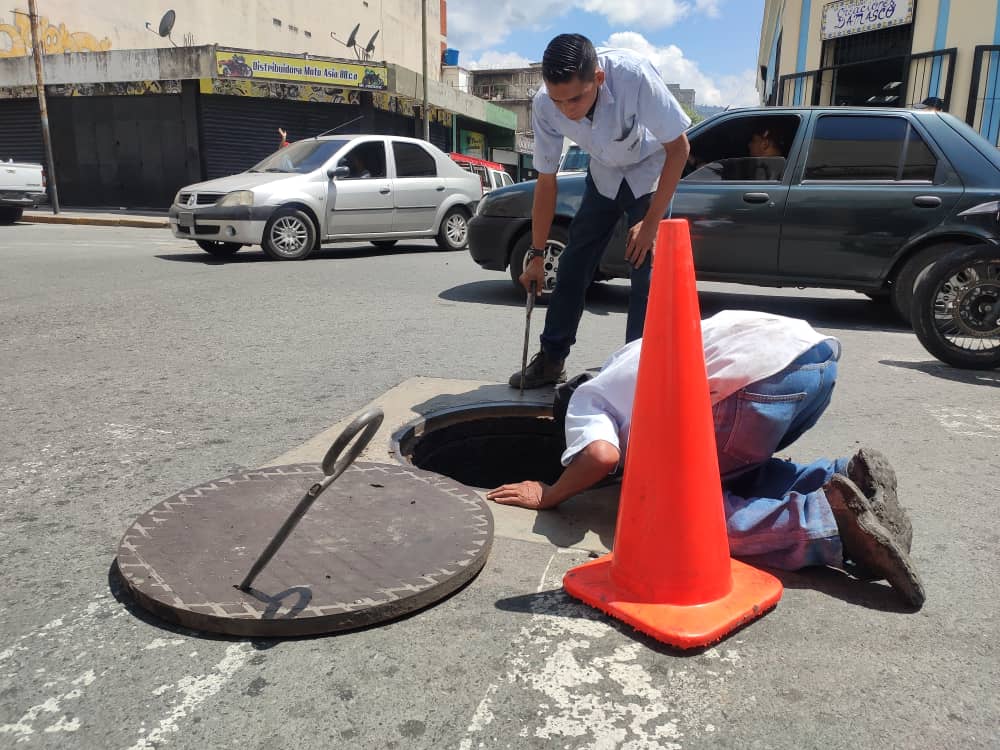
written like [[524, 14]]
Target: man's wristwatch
[[534, 252]]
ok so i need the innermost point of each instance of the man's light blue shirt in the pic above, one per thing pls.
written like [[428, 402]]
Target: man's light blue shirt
[[635, 113]]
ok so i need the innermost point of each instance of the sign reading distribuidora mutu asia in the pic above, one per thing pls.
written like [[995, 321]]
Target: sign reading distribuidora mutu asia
[[847, 17], [238, 64]]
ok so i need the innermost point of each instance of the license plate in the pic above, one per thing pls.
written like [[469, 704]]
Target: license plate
[[185, 219]]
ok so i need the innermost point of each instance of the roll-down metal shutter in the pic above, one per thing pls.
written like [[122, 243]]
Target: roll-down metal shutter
[[237, 132]]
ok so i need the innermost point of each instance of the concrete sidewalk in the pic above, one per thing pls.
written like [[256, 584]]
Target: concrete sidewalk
[[99, 217]]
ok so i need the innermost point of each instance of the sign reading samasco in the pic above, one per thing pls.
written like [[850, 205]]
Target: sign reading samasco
[[847, 17], [237, 64]]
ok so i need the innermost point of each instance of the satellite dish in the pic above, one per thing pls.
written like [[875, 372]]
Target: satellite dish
[[370, 47], [167, 23], [351, 40]]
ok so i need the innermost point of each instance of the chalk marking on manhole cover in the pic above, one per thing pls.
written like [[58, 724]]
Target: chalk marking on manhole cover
[[594, 691], [966, 422]]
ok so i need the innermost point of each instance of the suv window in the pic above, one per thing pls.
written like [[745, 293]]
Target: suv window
[[742, 149], [413, 161], [883, 148]]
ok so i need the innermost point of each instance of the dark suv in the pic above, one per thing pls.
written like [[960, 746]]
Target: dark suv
[[863, 199]]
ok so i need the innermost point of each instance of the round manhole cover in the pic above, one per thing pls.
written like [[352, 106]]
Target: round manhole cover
[[381, 542]]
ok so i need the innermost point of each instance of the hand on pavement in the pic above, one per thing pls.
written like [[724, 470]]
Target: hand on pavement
[[522, 494]]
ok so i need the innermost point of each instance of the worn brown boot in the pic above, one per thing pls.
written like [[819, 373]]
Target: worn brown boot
[[868, 543], [871, 471], [541, 371]]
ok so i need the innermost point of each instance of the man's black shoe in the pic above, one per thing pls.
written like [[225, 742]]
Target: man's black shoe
[[540, 371]]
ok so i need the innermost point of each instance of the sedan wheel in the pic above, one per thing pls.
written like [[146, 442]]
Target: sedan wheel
[[554, 248], [289, 235], [454, 232]]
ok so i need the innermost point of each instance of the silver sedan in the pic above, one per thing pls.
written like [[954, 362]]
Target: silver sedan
[[332, 189]]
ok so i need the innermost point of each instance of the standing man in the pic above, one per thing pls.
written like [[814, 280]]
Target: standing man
[[615, 105]]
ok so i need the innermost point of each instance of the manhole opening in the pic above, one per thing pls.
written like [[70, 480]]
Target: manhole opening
[[486, 445]]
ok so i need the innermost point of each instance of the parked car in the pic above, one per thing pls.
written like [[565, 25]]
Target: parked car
[[331, 189], [574, 159], [490, 173], [22, 185], [863, 199]]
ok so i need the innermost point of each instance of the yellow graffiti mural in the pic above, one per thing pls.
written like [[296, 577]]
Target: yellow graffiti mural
[[15, 38]]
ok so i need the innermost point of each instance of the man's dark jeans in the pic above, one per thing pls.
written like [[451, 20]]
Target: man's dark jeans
[[589, 234]]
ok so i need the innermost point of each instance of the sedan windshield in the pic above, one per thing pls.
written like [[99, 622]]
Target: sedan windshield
[[301, 156]]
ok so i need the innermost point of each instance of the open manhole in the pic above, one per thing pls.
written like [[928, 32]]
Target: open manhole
[[485, 445]]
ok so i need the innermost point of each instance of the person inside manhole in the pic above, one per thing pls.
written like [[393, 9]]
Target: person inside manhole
[[770, 379]]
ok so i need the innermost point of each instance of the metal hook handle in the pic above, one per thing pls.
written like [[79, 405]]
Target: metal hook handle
[[370, 421], [333, 467]]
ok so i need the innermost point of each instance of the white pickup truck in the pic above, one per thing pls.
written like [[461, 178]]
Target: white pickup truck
[[22, 186]]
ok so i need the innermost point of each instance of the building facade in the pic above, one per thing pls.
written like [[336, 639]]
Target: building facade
[[391, 28], [884, 53], [131, 125]]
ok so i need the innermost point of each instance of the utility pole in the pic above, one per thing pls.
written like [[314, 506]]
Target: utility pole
[[423, 38], [36, 52]]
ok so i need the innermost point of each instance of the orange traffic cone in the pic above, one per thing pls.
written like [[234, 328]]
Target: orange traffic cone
[[670, 574]]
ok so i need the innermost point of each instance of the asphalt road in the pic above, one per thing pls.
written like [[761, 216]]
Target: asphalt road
[[133, 365]]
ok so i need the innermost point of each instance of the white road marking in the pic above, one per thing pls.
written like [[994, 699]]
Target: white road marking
[[193, 691], [591, 689], [966, 422]]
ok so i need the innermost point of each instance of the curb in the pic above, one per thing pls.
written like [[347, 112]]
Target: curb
[[97, 221]]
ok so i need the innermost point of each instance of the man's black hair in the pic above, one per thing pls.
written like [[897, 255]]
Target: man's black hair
[[569, 56]]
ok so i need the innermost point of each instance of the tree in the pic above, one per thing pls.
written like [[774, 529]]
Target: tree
[[690, 111]]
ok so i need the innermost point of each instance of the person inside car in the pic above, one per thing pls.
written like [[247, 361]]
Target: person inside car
[[356, 164], [767, 149], [770, 379]]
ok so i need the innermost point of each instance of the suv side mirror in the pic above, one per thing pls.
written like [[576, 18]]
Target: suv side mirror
[[341, 171]]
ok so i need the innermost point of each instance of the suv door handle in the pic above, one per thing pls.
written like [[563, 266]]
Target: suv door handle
[[385, 191], [756, 197], [927, 201], [439, 188]]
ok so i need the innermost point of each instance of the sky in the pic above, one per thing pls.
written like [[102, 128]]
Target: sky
[[708, 45]]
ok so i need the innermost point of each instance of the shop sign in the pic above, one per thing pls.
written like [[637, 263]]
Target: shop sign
[[847, 17], [524, 144], [236, 64], [473, 144]]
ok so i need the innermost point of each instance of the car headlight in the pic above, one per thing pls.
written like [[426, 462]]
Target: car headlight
[[237, 198], [177, 198]]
